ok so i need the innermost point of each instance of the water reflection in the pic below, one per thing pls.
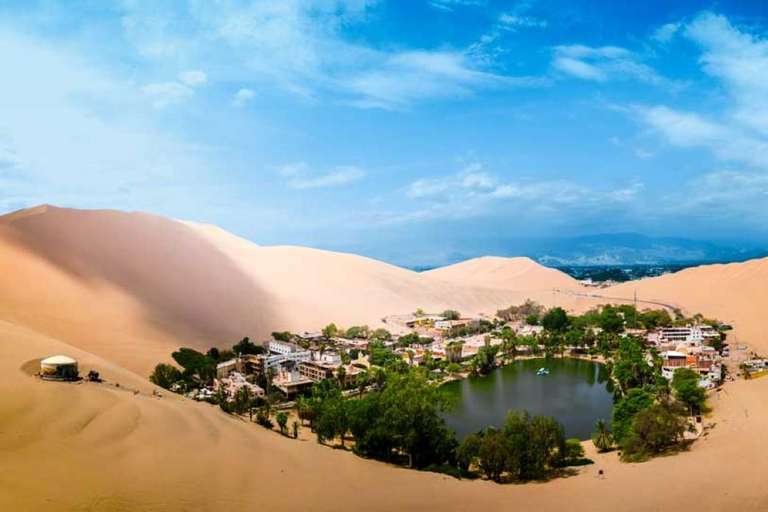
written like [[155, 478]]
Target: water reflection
[[575, 393]]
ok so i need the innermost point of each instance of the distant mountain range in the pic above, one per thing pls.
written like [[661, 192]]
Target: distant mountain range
[[606, 250], [635, 249]]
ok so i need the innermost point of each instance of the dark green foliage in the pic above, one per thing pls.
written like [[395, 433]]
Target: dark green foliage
[[246, 346], [655, 430], [242, 400], [624, 412], [282, 336], [474, 327], [380, 335], [602, 437], [380, 355], [611, 320], [263, 416], [165, 375], [450, 314], [330, 330], [195, 364], [412, 339], [485, 360], [403, 418], [655, 318], [526, 448], [631, 368], [516, 313], [574, 450], [532, 319], [356, 332], [332, 419], [282, 421], [685, 382], [555, 320]]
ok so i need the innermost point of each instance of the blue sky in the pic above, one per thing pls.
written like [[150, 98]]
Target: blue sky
[[404, 130]]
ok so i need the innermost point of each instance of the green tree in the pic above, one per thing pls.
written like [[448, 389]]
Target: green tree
[[532, 319], [555, 320], [610, 320], [493, 454], [655, 430], [246, 346], [282, 421], [635, 401], [332, 420], [165, 375], [450, 314], [453, 368], [468, 450], [574, 450], [380, 335], [242, 399], [282, 336], [295, 427], [330, 331], [602, 437], [685, 382]]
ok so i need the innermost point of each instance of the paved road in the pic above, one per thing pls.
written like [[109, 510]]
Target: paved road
[[666, 305]]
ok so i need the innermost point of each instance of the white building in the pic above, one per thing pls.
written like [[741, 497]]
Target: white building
[[283, 348]]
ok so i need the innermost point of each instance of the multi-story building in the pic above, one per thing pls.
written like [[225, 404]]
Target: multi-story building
[[315, 371]]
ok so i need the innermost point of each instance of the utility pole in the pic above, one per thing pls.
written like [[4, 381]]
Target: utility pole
[[635, 308]]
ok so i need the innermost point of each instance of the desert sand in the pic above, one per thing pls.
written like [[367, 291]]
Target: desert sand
[[118, 291]]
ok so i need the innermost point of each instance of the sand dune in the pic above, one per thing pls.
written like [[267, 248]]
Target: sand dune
[[132, 286], [119, 291], [736, 293], [506, 273]]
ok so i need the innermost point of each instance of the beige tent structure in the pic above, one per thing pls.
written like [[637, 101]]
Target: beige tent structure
[[59, 368]]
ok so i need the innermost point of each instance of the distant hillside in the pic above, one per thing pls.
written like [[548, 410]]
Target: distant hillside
[[635, 249]]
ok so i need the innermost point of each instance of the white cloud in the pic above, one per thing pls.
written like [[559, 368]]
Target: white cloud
[[409, 77], [450, 5], [511, 21], [300, 177], [300, 47], [579, 69], [665, 33], [474, 191], [165, 94], [740, 61], [681, 128], [604, 63], [242, 97], [192, 78]]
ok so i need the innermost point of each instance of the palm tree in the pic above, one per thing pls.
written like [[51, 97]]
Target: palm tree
[[602, 437], [270, 375], [295, 426], [362, 381], [411, 355]]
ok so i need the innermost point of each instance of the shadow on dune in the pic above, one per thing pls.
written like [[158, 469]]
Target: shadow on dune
[[187, 286]]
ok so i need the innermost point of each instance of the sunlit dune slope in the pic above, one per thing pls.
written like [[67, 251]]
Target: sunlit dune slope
[[736, 293], [522, 274], [133, 286]]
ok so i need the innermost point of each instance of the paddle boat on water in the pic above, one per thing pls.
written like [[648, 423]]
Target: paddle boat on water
[[543, 371]]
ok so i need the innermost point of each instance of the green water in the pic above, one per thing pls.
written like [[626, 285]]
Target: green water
[[574, 393]]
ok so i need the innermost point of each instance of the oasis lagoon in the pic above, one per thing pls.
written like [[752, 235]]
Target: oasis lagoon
[[575, 393]]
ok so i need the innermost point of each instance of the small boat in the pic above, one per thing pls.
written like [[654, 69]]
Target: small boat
[[543, 371]]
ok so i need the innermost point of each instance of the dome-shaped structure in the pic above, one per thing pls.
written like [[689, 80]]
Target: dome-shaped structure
[[59, 368]]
